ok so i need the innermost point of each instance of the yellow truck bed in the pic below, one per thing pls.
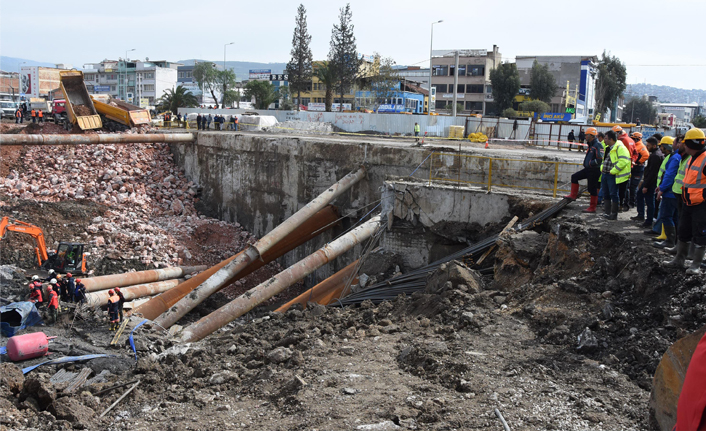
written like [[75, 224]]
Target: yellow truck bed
[[78, 103], [124, 113]]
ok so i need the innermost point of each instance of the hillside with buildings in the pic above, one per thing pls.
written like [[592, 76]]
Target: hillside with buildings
[[666, 94]]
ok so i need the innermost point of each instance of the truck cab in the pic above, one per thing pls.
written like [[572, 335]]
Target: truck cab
[[8, 108], [69, 257]]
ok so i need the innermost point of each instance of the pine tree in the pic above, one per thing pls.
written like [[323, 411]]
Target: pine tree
[[299, 67], [343, 55], [542, 83]]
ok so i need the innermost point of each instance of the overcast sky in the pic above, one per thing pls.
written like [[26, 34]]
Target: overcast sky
[[639, 32]]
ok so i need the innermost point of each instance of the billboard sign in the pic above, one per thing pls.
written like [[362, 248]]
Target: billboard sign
[[144, 102], [279, 77], [321, 107], [29, 81], [391, 108], [260, 74], [101, 88], [553, 117]]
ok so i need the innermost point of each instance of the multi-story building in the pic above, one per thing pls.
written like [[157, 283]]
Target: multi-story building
[[474, 91], [683, 112], [575, 77], [138, 82], [414, 73], [316, 94]]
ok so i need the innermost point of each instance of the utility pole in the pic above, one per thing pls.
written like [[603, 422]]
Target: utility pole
[[431, 45], [453, 109], [126, 76]]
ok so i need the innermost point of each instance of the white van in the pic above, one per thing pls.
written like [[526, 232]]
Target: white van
[[8, 108]]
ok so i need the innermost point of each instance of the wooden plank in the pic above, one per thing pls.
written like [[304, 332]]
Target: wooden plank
[[490, 250], [119, 399]]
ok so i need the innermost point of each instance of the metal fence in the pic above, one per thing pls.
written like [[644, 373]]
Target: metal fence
[[539, 175]]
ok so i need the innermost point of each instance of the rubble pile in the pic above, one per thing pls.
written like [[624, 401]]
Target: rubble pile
[[151, 203]]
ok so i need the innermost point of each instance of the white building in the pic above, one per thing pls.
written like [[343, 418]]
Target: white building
[[683, 112]]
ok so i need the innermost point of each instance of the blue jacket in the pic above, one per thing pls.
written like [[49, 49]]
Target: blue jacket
[[670, 171], [594, 155]]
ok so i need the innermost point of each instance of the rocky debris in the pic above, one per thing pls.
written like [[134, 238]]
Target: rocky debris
[[454, 275], [300, 127], [11, 378]]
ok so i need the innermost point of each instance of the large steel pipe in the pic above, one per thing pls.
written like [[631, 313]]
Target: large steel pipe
[[326, 291], [132, 278], [132, 292], [279, 282], [254, 252], [319, 223], [105, 138]]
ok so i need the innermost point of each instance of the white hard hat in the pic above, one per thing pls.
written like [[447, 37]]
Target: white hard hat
[[51, 271], [53, 281], [35, 277]]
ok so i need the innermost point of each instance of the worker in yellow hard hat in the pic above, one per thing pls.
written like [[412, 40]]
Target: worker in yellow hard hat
[[692, 224]]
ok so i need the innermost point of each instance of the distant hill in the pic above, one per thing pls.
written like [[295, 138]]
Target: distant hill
[[666, 94], [241, 68], [11, 64]]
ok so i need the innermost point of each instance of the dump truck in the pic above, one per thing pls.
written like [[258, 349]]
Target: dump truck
[[79, 105], [118, 115]]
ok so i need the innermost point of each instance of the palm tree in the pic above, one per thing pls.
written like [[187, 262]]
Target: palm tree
[[326, 74], [172, 100]]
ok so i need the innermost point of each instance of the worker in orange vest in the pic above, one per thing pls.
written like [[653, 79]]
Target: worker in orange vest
[[33, 114], [692, 222], [53, 304], [40, 114], [113, 303], [638, 168], [18, 116]]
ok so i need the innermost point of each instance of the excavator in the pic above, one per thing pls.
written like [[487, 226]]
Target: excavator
[[68, 257]]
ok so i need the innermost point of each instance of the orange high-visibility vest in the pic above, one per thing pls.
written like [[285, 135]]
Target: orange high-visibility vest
[[33, 113], [695, 181], [41, 114]]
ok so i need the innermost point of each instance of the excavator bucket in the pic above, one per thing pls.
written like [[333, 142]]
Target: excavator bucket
[[669, 378]]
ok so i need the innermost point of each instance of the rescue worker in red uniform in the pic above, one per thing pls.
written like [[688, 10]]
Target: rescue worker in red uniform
[[113, 301], [692, 222], [53, 305], [35, 295]]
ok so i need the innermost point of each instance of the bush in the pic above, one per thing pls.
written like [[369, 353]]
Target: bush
[[509, 113], [535, 106]]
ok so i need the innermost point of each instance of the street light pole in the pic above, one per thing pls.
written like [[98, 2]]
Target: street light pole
[[223, 99], [431, 45], [125, 61]]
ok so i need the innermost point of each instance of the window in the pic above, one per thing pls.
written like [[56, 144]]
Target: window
[[474, 88], [181, 74], [489, 89], [452, 70], [460, 88], [440, 104], [149, 75], [476, 70], [474, 106], [112, 88], [461, 70], [306, 101], [441, 70], [149, 87], [440, 88]]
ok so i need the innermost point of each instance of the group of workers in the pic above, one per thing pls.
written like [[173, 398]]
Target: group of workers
[[59, 289], [203, 122], [666, 175], [35, 114]]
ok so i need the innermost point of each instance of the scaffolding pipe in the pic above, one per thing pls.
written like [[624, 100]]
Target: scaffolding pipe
[[100, 298], [132, 278], [326, 291], [105, 138], [266, 290], [254, 252], [319, 223]]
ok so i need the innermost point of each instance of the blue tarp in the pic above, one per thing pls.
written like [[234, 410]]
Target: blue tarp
[[64, 360], [18, 316], [132, 341]]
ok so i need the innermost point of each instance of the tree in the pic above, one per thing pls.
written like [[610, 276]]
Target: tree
[[300, 67], [173, 99], [206, 75], [639, 108], [542, 83], [285, 98], [610, 85], [343, 55], [384, 81], [699, 121], [509, 113], [225, 79], [326, 75], [263, 92], [535, 106], [506, 83]]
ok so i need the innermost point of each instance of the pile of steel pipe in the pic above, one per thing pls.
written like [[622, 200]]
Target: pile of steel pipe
[[140, 277], [254, 252], [279, 282], [105, 138], [137, 291], [326, 291], [415, 281], [317, 224]]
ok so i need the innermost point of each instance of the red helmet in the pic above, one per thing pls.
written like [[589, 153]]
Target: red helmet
[[50, 289], [68, 274], [78, 280], [117, 289], [111, 292]]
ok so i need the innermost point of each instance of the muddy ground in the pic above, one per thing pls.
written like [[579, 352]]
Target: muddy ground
[[431, 361]]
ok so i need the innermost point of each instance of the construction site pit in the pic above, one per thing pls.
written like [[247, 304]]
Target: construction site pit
[[560, 327]]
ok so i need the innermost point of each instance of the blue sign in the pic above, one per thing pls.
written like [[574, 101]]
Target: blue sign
[[101, 88], [554, 117], [647, 132], [391, 108]]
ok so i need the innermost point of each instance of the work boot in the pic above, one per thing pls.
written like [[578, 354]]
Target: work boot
[[695, 268], [574, 192], [670, 241], [592, 206], [614, 206], [690, 255], [638, 218], [606, 208], [678, 261], [647, 223], [673, 250]]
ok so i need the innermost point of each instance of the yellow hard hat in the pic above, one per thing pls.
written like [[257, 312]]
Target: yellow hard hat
[[694, 134], [667, 140]]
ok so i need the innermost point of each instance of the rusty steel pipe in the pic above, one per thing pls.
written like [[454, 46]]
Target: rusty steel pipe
[[266, 290], [319, 223], [326, 291], [132, 278], [106, 138], [254, 252], [132, 292]]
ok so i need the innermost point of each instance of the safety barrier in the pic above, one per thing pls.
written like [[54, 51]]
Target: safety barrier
[[540, 175]]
